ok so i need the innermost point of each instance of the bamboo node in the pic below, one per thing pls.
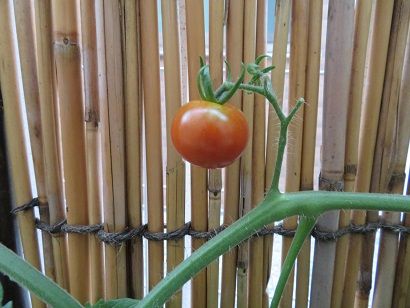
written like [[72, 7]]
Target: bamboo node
[[330, 184]]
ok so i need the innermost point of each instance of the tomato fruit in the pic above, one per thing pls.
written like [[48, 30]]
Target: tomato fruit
[[208, 134]]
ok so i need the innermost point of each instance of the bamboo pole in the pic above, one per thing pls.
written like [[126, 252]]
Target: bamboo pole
[[391, 152], [175, 168], [216, 45], [362, 24], [403, 260], [234, 38], [152, 114], [115, 209], [309, 137], [51, 136], [133, 134], [339, 45], [16, 149], [367, 135], [297, 69], [24, 15], [194, 14], [93, 143], [66, 39]]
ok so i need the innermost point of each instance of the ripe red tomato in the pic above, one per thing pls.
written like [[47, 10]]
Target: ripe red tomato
[[208, 134]]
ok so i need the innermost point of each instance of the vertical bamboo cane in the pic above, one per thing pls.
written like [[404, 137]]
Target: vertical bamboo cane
[[133, 133], [115, 210], [24, 14], [257, 278], [152, 113], [403, 260], [309, 137], [298, 53], [280, 42], [51, 137], [16, 150], [93, 143], [216, 44], [194, 12], [338, 65], [391, 152], [175, 169], [367, 135], [234, 38], [362, 24], [66, 39]]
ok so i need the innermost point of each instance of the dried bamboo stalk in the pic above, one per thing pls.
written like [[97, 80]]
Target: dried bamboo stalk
[[362, 24], [115, 209], [133, 141], [298, 54], [367, 135], [234, 38], [93, 143], [339, 45], [15, 141], [175, 169], [51, 137], [194, 14], [66, 39], [24, 16], [216, 44], [391, 152], [309, 138]]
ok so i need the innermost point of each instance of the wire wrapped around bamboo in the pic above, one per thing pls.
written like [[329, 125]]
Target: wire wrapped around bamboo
[[114, 157], [309, 137], [297, 70], [175, 168], [339, 44], [367, 136], [362, 24], [234, 38], [152, 114], [51, 136], [66, 39], [93, 143], [14, 128], [216, 45], [390, 156], [133, 141]]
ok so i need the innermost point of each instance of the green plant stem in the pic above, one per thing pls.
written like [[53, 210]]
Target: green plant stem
[[304, 229], [29, 277], [279, 157], [275, 207]]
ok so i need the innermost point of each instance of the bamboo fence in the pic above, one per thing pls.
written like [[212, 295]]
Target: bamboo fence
[[89, 92]]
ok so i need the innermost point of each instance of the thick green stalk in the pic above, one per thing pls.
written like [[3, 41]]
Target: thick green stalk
[[305, 226]]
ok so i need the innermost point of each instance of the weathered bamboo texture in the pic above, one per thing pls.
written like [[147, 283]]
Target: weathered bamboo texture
[[93, 143], [362, 24], [234, 38], [309, 137], [175, 168], [391, 152], [194, 14], [216, 46], [367, 136], [133, 141], [14, 129], [51, 137], [67, 55], [280, 43], [24, 16], [403, 260], [297, 74], [152, 115], [114, 207], [339, 45]]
